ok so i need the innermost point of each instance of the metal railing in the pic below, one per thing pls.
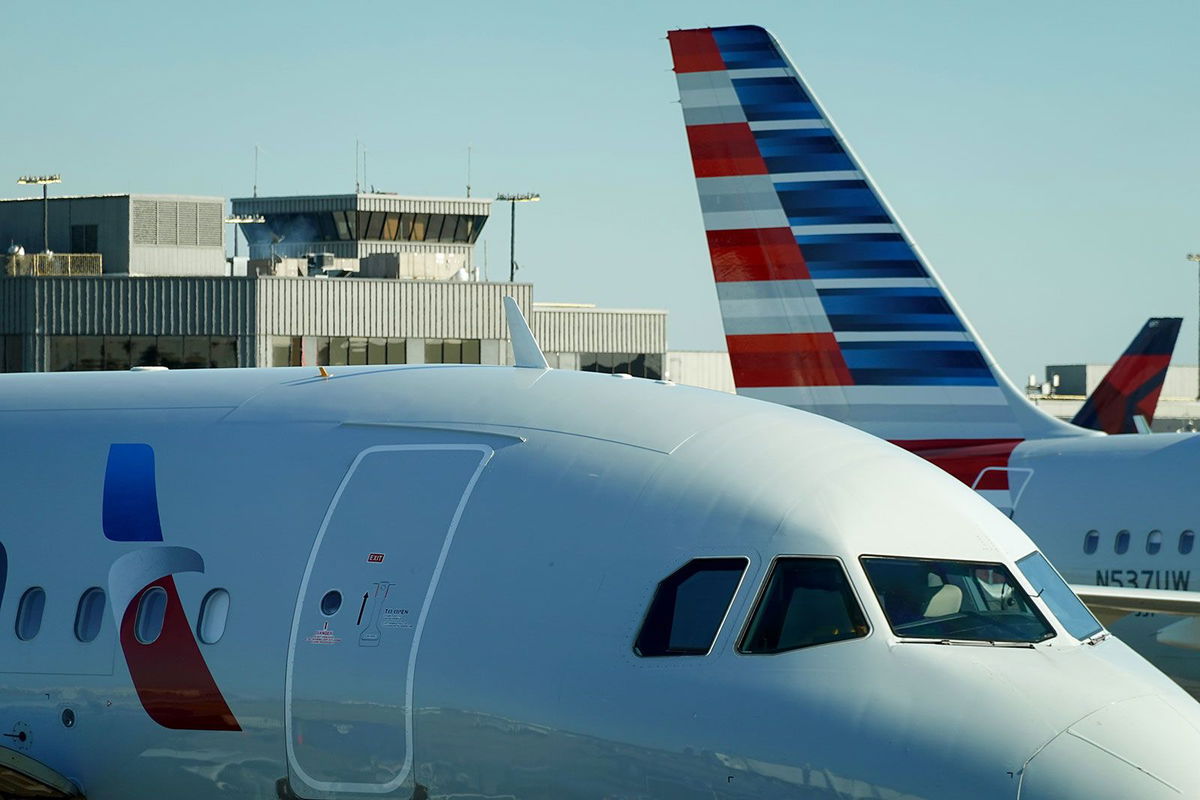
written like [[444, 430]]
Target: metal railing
[[54, 264]]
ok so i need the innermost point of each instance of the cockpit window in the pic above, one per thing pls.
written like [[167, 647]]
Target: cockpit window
[[1058, 597], [954, 600], [688, 608], [807, 601]]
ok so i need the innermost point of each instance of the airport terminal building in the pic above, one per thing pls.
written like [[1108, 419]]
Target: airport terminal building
[[141, 280]]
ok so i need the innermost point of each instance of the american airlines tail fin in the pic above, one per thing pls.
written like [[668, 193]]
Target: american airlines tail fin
[[1131, 387], [827, 304]]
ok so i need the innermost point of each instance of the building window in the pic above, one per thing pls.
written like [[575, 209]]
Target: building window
[[451, 351], [79, 353], [10, 354], [807, 601], [1091, 541], [85, 239], [29, 613], [89, 614], [639, 365], [688, 608], [288, 351]]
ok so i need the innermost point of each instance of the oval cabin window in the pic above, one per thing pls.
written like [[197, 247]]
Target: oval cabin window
[[89, 615], [1091, 541], [29, 613], [1153, 542], [214, 611], [1122, 544], [1187, 540], [151, 611]]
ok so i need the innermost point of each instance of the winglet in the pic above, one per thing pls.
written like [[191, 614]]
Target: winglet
[[526, 352]]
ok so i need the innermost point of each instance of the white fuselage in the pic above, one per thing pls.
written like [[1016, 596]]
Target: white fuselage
[[495, 536]]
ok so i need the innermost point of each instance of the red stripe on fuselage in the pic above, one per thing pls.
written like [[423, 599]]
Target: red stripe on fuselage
[[966, 458], [787, 359], [725, 149], [756, 254], [170, 675], [695, 51]]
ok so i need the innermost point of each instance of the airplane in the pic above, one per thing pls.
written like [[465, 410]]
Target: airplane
[[829, 306], [474, 581], [1127, 397]]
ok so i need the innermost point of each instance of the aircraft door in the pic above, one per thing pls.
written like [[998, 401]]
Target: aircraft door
[[371, 578]]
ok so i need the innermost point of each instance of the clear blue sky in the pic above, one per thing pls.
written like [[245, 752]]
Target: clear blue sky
[[1044, 155]]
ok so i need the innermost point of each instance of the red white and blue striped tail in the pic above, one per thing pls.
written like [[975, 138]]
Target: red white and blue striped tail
[[827, 304]]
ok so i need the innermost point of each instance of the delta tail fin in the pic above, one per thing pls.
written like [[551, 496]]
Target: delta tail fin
[[1131, 388], [827, 304]]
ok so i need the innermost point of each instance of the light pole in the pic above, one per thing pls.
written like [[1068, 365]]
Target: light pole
[[1195, 257], [44, 181], [243, 219], [513, 199]]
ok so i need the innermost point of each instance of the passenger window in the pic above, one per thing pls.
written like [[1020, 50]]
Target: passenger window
[[89, 614], [1187, 540], [1091, 541], [3, 570], [807, 601], [1122, 543], [29, 613], [151, 611], [214, 610], [689, 607], [1154, 542]]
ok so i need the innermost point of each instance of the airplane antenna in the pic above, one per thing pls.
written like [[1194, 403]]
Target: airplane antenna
[[526, 352]]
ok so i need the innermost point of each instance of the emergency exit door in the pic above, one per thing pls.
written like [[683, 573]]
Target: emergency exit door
[[371, 578]]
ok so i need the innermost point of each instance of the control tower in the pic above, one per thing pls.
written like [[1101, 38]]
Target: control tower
[[374, 235]]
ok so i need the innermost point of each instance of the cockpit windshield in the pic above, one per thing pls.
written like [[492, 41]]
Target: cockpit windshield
[[954, 600]]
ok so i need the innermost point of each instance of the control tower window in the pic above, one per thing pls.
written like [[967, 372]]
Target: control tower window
[[343, 228], [419, 226], [375, 225], [462, 228], [688, 608], [391, 227], [433, 233], [954, 600], [806, 602]]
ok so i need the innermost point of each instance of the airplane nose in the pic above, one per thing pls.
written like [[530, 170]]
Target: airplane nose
[[1144, 747]]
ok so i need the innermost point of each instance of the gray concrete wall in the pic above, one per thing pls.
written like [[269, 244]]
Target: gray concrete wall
[[593, 330]]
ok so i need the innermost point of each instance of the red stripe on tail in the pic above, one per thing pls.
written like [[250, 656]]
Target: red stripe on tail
[[695, 51], [787, 359], [725, 149], [756, 254]]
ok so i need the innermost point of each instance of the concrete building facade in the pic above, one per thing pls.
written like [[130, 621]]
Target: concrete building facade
[[135, 234], [101, 322]]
